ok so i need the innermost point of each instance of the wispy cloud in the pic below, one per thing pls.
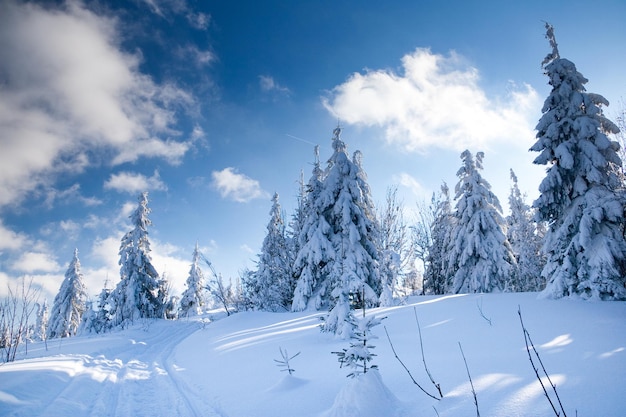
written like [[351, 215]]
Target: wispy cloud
[[167, 8], [410, 182], [68, 91], [268, 84], [69, 195], [134, 183], [436, 101], [237, 187]]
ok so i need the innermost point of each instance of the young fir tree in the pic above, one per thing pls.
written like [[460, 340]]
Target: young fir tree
[[354, 276], [393, 246], [479, 247], [139, 292], [580, 195], [271, 286], [193, 298], [438, 271], [98, 319], [316, 254], [69, 304], [525, 240]]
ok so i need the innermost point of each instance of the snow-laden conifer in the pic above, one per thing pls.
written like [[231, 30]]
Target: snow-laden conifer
[[69, 303], [580, 195], [41, 321], [438, 271], [316, 254], [271, 286], [98, 319], [139, 293], [345, 202], [479, 247], [526, 240], [193, 298]]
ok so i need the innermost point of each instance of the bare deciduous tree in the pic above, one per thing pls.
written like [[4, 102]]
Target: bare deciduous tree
[[15, 312]]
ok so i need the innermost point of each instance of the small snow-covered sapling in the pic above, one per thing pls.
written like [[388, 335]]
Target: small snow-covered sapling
[[284, 363]]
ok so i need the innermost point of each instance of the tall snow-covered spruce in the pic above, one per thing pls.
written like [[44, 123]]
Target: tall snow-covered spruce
[[137, 294], [316, 252], [478, 247], [580, 197], [271, 286], [337, 264], [69, 304]]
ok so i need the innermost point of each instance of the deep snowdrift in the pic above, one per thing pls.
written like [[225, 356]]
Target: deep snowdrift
[[227, 367]]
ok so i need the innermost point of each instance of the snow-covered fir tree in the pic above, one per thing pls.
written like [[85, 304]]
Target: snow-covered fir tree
[[359, 355], [193, 298], [98, 319], [438, 271], [41, 321], [354, 275], [139, 292], [526, 241], [580, 197], [479, 247], [271, 286], [316, 254], [69, 303]]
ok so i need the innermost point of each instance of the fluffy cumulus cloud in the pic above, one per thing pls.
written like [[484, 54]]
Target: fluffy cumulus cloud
[[10, 240], [436, 101], [134, 183], [68, 91], [30, 262], [236, 186]]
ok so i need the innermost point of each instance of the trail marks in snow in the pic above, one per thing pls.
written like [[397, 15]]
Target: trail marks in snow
[[134, 376]]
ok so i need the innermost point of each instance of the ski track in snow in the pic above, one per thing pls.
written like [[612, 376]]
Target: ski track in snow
[[135, 378]]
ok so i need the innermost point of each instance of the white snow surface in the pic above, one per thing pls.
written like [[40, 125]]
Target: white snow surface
[[226, 367]]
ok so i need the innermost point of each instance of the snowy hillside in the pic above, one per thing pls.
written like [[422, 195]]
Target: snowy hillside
[[227, 367]]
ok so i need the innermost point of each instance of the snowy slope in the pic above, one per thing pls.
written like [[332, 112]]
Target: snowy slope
[[227, 368]]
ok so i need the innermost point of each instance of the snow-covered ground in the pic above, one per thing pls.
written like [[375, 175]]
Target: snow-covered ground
[[227, 367]]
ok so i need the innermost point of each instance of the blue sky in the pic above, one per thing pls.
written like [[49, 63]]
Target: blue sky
[[214, 106]]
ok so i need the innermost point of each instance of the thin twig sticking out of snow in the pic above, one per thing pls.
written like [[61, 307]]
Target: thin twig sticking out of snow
[[531, 347], [407, 369], [480, 309], [470, 380], [419, 329]]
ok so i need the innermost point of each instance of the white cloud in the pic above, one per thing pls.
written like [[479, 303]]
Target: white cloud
[[268, 84], [134, 183], [435, 102], [408, 181], [237, 187], [10, 239], [69, 195], [68, 89], [35, 262]]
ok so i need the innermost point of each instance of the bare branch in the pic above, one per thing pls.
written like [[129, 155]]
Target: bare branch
[[530, 347], [419, 329], [407, 369], [470, 380]]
